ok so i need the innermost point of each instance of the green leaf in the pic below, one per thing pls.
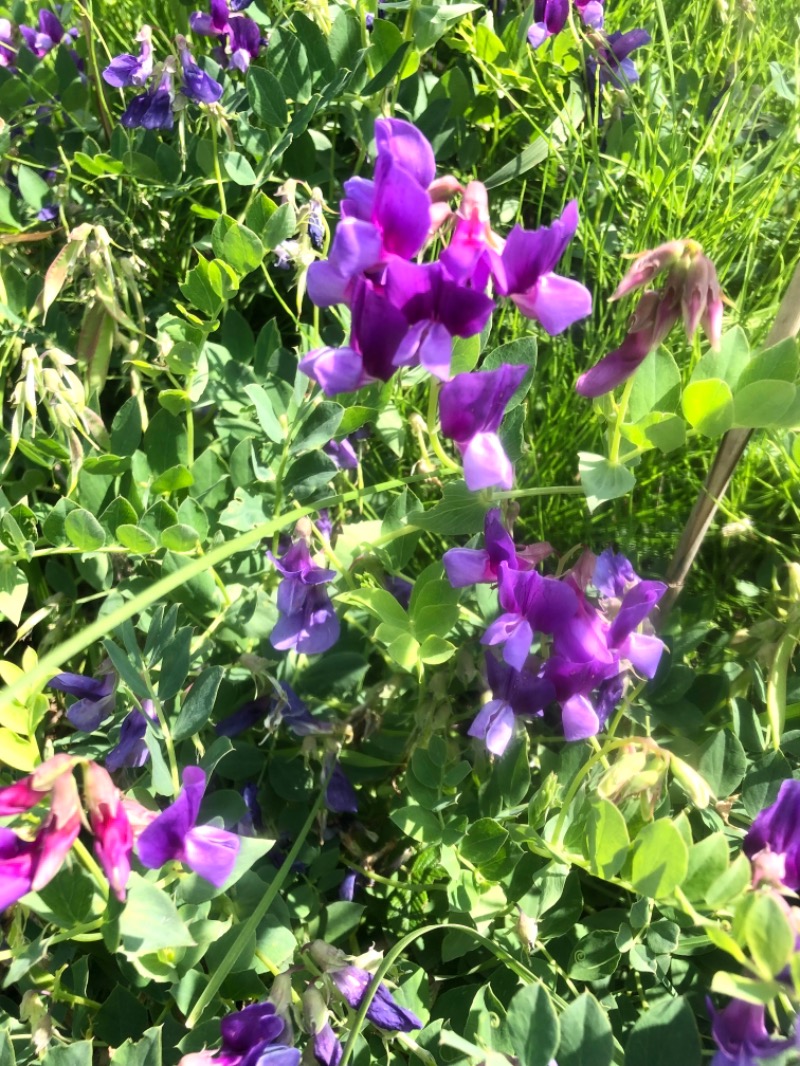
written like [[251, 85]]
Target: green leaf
[[198, 705], [729, 362], [135, 539], [520, 352], [418, 823], [84, 531], [281, 225], [536, 152], [150, 920], [735, 880], [722, 761], [458, 511], [531, 1026], [180, 538], [33, 189], [660, 860], [778, 363], [762, 403], [236, 244], [586, 1035], [603, 480], [239, 169], [483, 841], [121, 1017], [708, 406], [318, 428], [126, 669], [606, 840], [267, 97], [435, 650], [265, 413], [7, 1056], [746, 988], [13, 591], [288, 61], [708, 860], [144, 1052], [388, 72], [768, 935], [209, 285], [173, 480], [656, 386], [380, 604], [664, 1035], [78, 1053], [175, 664]]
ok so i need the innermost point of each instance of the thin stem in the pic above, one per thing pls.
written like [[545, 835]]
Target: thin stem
[[217, 172], [542, 490], [87, 860], [441, 454], [622, 410]]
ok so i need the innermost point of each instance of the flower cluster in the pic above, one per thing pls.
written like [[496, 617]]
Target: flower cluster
[[154, 108], [587, 645], [118, 825], [239, 37], [405, 313], [691, 291], [41, 40]]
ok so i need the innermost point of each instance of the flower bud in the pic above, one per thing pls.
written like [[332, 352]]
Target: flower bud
[[699, 792]]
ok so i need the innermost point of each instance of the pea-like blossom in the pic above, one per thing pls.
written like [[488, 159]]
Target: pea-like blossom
[[308, 622], [773, 840], [528, 261], [611, 63], [196, 85], [473, 566], [49, 34], [384, 1010], [131, 749], [340, 796], [515, 693], [225, 22], [549, 18], [471, 408], [342, 453], [175, 835], [95, 698], [126, 69], [249, 1038], [113, 835], [741, 1036], [152, 110]]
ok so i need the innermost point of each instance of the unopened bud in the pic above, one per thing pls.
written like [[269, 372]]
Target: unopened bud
[[527, 931], [695, 785], [315, 1010], [325, 956]]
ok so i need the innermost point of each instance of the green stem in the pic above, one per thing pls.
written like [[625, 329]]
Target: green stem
[[49, 665], [622, 410], [577, 781], [88, 861], [436, 444], [217, 172], [542, 490], [249, 926]]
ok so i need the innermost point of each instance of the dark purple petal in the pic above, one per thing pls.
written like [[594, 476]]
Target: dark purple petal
[[406, 146], [248, 715], [613, 574], [476, 402], [121, 71], [776, 828], [529, 254], [88, 714], [342, 453], [347, 889], [384, 1011], [617, 366], [359, 198], [245, 37], [401, 209], [327, 1049], [83, 687], [164, 839], [740, 1032], [378, 329], [247, 1028], [340, 796], [131, 749], [199, 86], [622, 44]]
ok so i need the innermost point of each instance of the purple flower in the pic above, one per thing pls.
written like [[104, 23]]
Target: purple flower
[[131, 749], [376, 332], [8, 53], [342, 453], [316, 223], [384, 1010], [340, 796], [49, 34], [356, 247], [437, 309], [473, 566], [773, 840], [471, 408], [245, 40], [528, 260], [611, 65], [399, 588], [347, 889], [549, 18], [327, 1049], [151, 110], [308, 622], [530, 602], [591, 13], [613, 574], [196, 84], [127, 69], [407, 147], [249, 1039], [96, 698], [214, 24], [741, 1035], [514, 692], [175, 835]]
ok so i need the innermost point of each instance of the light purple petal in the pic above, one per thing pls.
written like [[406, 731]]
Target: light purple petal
[[643, 652], [578, 718], [404, 143], [335, 370], [486, 464], [211, 853], [555, 302], [467, 566], [494, 723]]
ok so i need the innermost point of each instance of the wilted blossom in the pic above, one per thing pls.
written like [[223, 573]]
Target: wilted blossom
[[126, 69], [175, 835], [131, 749], [96, 698], [773, 840], [471, 408], [249, 1038], [113, 835], [196, 84], [472, 566], [691, 291], [741, 1035], [352, 983], [308, 622], [49, 34], [28, 865]]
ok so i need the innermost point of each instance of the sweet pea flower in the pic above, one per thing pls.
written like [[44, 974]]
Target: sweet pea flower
[[772, 842], [514, 693], [342, 453], [175, 835], [49, 34], [196, 84], [384, 1010], [741, 1035], [473, 253], [95, 698], [249, 1038], [308, 622], [591, 13], [528, 260], [245, 40], [549, 18], [131, 749], [474, 566], [340, 796], [152, 110], [126, 69], [610, 64], [471, 408], [112, 830]]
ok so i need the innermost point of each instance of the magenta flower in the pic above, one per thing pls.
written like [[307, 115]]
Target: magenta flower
[[126, 69], [112, 830], [174, 835], [471, 408], [741, 1035], [773, 840], [473, 254], [384, 1011], [474, 566], [308, 622], [528, 260]]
